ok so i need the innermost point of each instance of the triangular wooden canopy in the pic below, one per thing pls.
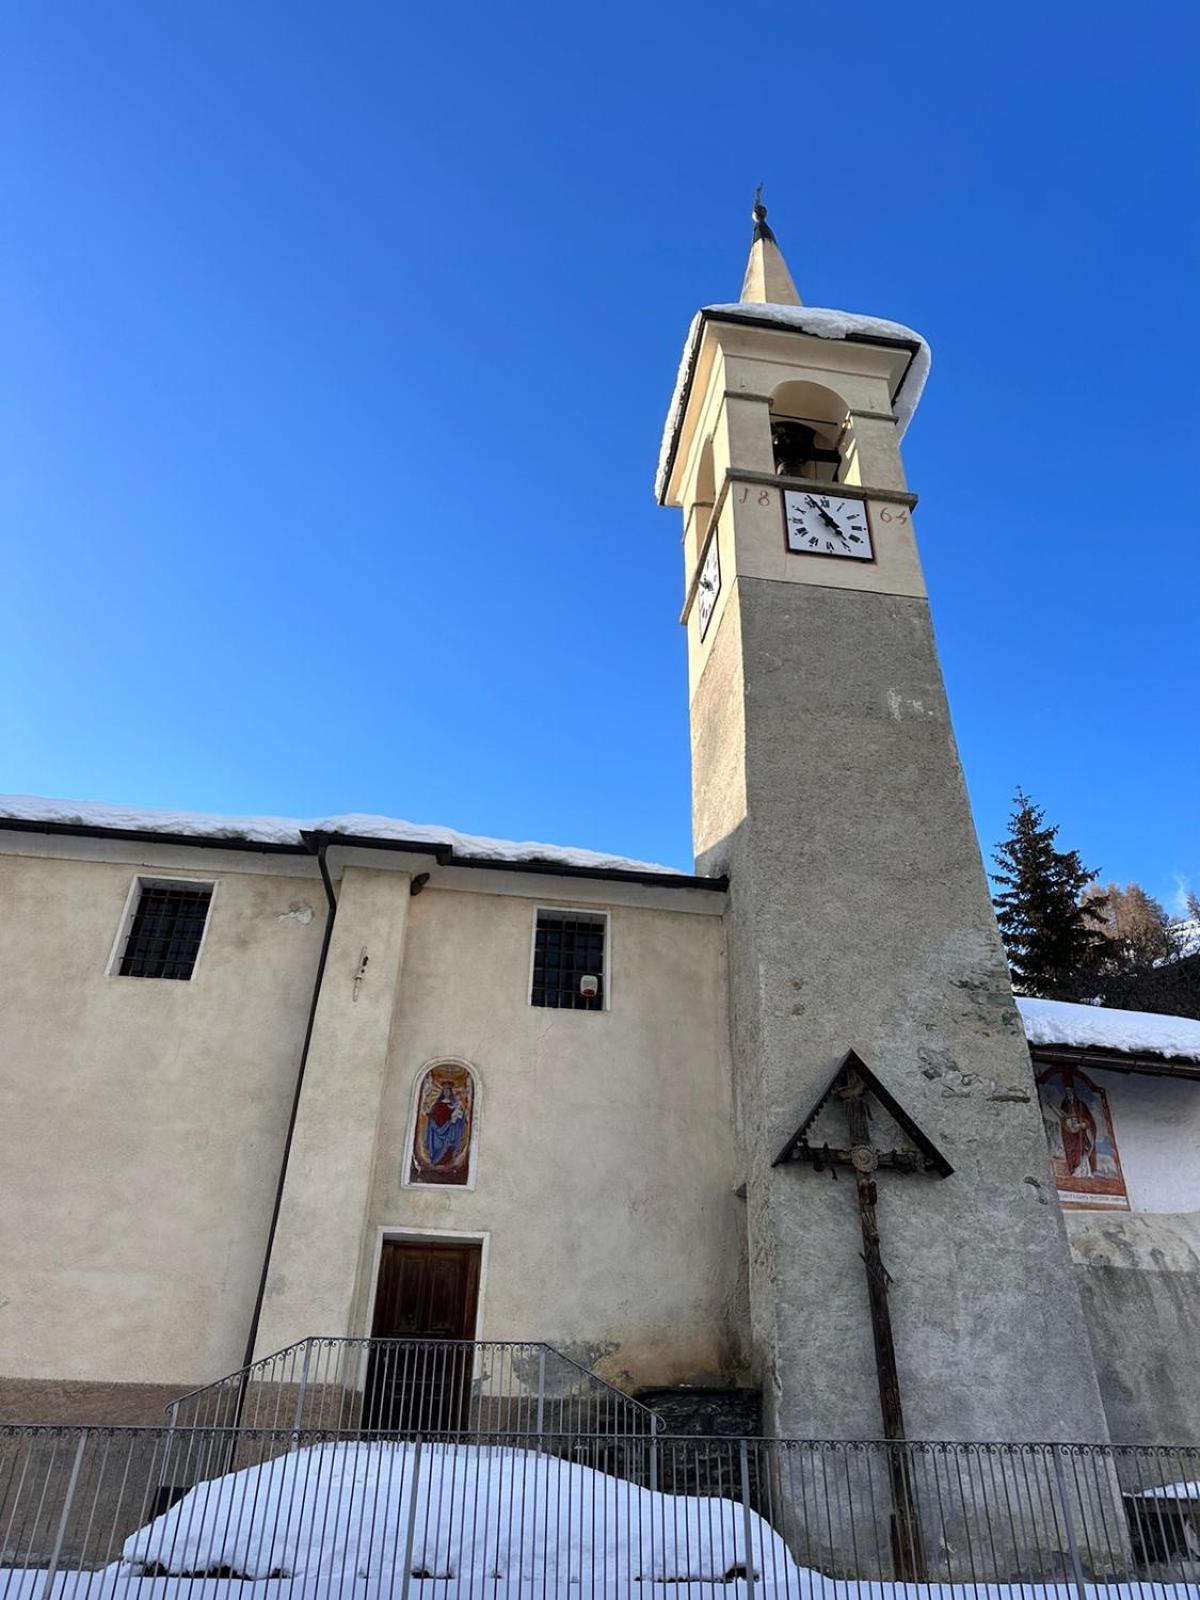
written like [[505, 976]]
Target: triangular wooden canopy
[[798, 1149]]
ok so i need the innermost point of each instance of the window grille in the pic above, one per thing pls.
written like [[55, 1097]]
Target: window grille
[[166, 930], [568, 946]]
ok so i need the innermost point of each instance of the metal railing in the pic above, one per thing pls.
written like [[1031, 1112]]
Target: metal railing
[[86, 1513], [416, 1385]]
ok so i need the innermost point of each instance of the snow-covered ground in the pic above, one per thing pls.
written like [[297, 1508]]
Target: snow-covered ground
[[114, 1585], [346, 1511], [340, 1520]]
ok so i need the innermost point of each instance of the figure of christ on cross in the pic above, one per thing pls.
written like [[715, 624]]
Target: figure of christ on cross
[[852, 1084]]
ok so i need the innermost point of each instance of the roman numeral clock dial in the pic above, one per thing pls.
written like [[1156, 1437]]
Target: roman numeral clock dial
[[708, 583], [826, 525]]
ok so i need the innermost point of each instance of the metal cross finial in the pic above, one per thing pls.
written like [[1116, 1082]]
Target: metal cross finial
[[762, 229]]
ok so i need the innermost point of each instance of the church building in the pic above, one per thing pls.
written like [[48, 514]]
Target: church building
[[775, 1130]]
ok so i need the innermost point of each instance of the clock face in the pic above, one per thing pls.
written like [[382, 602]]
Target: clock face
[[826, 525], [708, 586]]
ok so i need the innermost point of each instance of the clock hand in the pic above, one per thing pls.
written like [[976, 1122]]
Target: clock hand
[[821, 511]]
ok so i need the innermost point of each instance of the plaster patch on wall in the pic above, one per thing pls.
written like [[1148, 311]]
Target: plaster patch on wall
[[1121, 1245], [560, 1380], [991, 1002], [1148, 1243], [298, 911], [936, 1063], [940, 1064], [901, 706]]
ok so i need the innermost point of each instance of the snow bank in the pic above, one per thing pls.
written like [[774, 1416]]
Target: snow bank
[[824, 324], [1172, 1491], [1104, 1028], [283, 830], [344, 1511]]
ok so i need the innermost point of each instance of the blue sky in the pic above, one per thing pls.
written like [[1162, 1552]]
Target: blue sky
[[284, 284]]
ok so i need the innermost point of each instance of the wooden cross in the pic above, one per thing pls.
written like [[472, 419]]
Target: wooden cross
[[852, 1085]]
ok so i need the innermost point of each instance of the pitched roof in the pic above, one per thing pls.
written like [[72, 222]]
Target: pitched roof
[[32, 812], [1134, 1033]]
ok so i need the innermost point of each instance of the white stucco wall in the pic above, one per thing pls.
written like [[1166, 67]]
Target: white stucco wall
[[1157, 1126], [605, 1168], [143, 1119]]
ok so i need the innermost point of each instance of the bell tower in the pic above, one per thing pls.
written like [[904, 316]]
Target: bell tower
[[826, 783]]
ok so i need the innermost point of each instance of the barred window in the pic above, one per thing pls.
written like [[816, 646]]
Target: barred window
[[165, 930], [568, 960]]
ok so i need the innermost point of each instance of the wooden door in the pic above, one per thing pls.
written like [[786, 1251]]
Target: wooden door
[[427, 1295]]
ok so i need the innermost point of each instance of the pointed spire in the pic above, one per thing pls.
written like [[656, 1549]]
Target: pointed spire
[[767, 280]]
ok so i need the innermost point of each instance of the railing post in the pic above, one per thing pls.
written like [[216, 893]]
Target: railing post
[[1068, 1521], [60, 1536], [410, 1535], [747, 1525], [169, 1443], [303, 1386], [541, 1392]]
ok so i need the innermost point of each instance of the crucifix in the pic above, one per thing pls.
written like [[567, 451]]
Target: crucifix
[[852, 1086]]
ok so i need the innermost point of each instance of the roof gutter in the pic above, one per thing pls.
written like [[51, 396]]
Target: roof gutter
[[84, 830], [1145, 1063], [311, 840], [446, 856]]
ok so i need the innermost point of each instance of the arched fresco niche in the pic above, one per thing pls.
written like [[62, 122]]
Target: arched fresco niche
[[443, 1126], [1083, 1146]]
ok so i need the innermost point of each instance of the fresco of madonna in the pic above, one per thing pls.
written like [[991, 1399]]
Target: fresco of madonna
[[445, 1115]]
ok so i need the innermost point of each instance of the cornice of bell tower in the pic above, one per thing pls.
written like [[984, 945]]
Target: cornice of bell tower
[[782, 447]]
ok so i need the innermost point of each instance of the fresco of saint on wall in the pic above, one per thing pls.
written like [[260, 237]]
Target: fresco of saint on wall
[[1083, 1148], [441, 1150]]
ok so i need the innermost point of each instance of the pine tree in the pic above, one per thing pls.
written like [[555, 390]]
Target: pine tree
[[1052, 933]]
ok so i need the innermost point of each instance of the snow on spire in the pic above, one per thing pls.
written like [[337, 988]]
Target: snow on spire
[[767, 280]]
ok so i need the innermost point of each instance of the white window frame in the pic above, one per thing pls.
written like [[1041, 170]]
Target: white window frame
[[589, 913], [159, 880]]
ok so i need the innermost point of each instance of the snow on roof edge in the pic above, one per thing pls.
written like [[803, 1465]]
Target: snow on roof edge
[[1060, 1022], [824, 324], [287, 831]]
